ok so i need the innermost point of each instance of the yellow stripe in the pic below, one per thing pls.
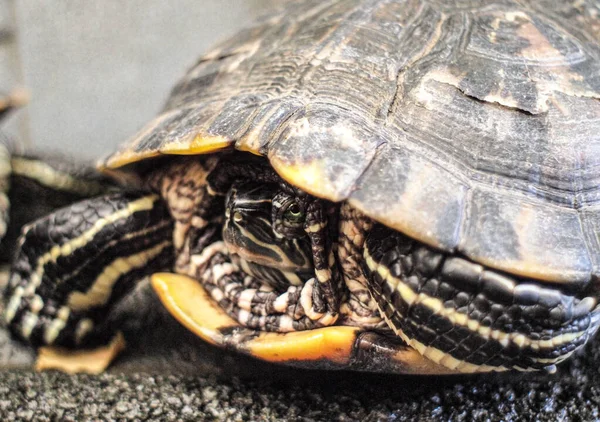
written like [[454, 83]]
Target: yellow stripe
[[57, 324], [441, 358], [48, 176], [144, 232], [101, 290], [285, 263], [143, 204], [457, 318], [84, 327], [13, 304]]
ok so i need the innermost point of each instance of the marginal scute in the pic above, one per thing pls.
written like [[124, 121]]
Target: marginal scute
[[528, 238], [413, 195], [340, 150]]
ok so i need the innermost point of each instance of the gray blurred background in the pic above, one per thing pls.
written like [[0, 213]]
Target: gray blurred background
[[97, 70]]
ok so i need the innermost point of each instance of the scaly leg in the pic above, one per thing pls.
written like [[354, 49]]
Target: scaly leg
[[74, 264], [253, 303], [469, 318]]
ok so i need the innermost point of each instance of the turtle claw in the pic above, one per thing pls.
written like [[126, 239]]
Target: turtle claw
[[90, 361]]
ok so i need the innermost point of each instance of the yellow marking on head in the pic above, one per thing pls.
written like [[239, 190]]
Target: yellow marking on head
[[285, 263], [292, 278]]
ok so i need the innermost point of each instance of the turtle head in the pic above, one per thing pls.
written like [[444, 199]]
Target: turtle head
[[264, 231]]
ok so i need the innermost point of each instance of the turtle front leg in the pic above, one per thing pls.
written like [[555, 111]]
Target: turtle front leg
[[74, 264], [253, 302]]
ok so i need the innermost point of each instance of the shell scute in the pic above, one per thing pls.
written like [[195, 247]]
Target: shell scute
[[416, 198], [341, 149]]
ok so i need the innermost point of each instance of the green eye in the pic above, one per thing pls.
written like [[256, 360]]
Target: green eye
[[294, 214]]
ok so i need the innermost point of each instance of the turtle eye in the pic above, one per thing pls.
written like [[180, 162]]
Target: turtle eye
[[288, 215], [294, 214]]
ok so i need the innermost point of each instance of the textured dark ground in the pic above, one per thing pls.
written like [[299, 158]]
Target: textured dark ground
[[167, 374]]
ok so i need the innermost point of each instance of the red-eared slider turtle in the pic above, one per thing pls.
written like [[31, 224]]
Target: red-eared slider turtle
[[405, 186]]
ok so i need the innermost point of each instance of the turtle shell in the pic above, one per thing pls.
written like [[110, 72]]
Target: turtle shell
[[472, 126]]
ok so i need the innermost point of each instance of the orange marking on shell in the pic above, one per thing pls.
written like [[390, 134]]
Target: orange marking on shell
[[198, 145], [330, 343], [123, 158], [247, 147], [189, 303], [310, 177]]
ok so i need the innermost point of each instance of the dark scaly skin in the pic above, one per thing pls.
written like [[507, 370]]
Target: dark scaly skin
[[528, 308], [34, 314]]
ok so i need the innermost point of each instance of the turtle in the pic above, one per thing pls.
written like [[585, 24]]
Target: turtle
[[405, 186]]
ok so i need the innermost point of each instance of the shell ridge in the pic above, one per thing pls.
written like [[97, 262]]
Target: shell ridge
[[424, 52]]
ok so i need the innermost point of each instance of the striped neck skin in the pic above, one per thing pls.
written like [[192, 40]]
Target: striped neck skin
[[264, 233]]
